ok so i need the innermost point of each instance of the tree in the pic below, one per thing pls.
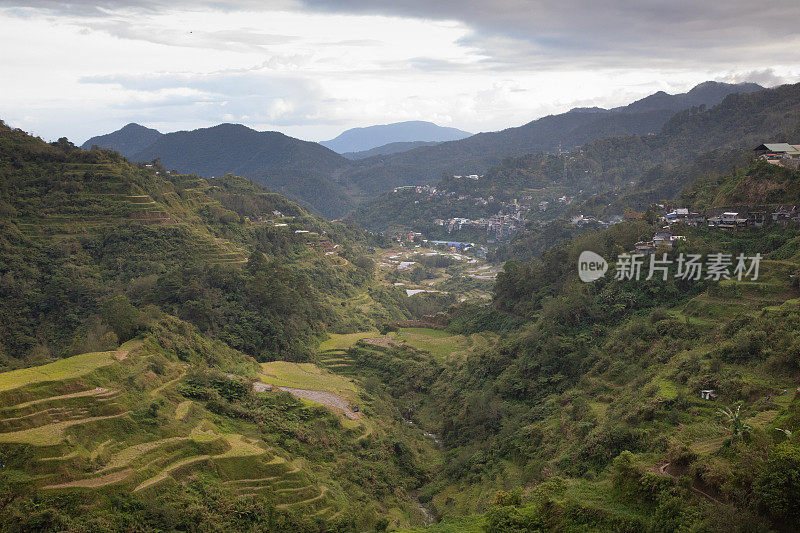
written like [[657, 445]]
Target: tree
[[778, 483], [739, 428], [122, 317]]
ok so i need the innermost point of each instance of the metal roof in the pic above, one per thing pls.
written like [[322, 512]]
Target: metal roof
[[777, 147]]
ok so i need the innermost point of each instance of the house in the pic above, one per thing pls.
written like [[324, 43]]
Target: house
[[662, 238], [784, 214], [645, 247], [756, 218], [729, 220], [708, 394], [773, 151], [684, 216]]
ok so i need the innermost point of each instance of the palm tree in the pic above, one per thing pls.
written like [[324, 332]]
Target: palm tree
[[739, 428]]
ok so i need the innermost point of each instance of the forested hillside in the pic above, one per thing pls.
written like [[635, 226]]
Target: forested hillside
[[476, 154], [161, 315], [142, 310], [590, 416], [612, 173], [85, 228]]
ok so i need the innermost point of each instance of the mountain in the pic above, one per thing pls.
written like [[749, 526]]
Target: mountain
[[298, 169], [386, 149], [360, 139], [128, 140], [330, 184], [608, 174], [708, 93], [147, 319], [475, 154]]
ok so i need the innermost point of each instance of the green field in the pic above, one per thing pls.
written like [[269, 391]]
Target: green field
[[63, 369], [438, 343], [305, 376], [343, 341]]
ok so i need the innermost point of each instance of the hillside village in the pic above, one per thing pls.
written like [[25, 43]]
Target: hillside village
[[509, 216]]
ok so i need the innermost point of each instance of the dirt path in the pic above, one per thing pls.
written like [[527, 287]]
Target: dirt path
[[662, 469], [328, 399], [322, 492], [382, 342], [122, 353]]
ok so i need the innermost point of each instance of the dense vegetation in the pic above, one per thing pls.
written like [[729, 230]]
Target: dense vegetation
[[80, 228], [590, 416], [168, 309]]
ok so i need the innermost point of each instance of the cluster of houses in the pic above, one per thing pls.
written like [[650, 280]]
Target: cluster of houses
[[419, 189], [500, 224], [563, 200], [727, 218], [583, 220], [720, 219], [663, 240]]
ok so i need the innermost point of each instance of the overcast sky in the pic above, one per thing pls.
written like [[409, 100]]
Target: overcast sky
[[313, 68]]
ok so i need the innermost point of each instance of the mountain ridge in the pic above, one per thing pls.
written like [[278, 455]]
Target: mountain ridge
[[368, 137], [127, 140]]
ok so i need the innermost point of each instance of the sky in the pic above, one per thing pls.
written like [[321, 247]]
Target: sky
[[313, 68]]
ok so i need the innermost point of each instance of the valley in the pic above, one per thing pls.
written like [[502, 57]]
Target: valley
[[180, 350]]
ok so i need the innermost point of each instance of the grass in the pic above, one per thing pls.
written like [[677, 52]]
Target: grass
[[343, 341], [440, 344], [63, 369], [305, 376], [50, 434], [667, 390]]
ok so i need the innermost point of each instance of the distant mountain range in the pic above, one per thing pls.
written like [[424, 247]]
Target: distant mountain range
[[360, 139], [612, 173], [332, 184], [478, 153], [386, 149]]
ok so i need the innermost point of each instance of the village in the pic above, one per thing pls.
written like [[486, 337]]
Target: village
[[509, 218]]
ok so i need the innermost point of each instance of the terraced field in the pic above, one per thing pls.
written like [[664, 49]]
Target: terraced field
[[77, 426]]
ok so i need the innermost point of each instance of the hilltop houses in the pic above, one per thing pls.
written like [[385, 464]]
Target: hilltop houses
[[663, 239], [772, 151], [728, 220], [684, 216], [735, 218], [783, 214]]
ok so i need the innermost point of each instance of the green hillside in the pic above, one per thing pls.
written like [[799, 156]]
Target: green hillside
[[172, 430], [608, 174], [88, 237], [136, 304]]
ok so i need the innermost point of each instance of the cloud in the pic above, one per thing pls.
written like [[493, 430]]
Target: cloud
[[255, 96], [764, 77], [310, 67], [610, 33]]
